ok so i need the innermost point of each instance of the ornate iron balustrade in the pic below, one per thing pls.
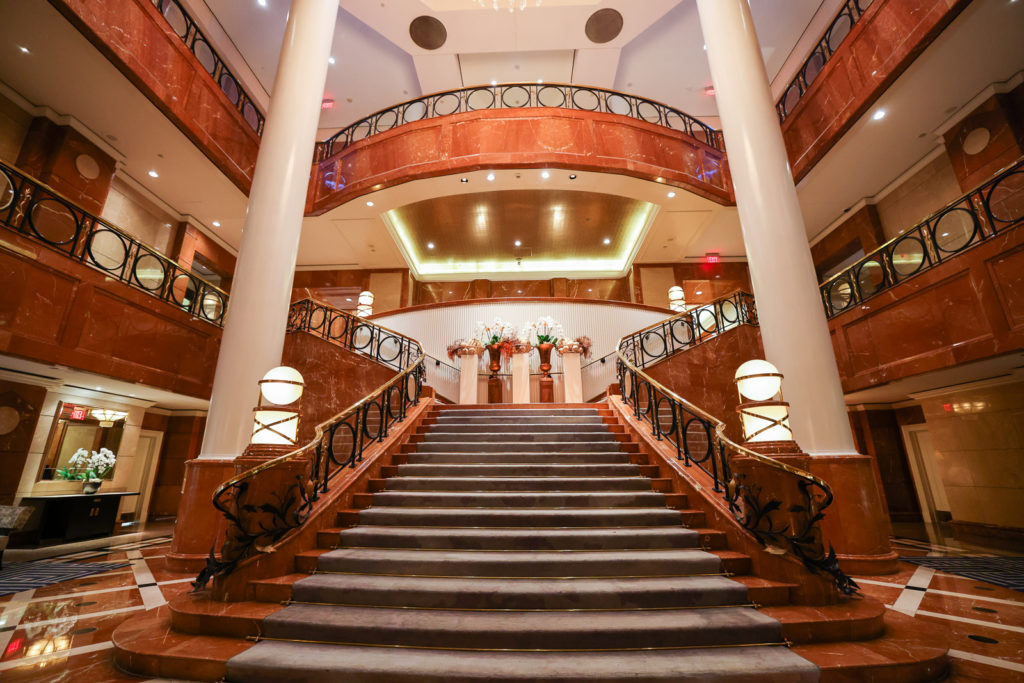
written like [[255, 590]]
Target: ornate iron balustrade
[[265, 503], [989, 210], [690, 328], [838, 29], [186, 28], [37, 211], [518, 96], [699, 439], [351, 332]]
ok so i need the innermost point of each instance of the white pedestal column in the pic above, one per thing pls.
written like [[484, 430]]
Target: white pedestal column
[[572, 378], [520, 377], [469, 367], [258, 308], [792, 319]]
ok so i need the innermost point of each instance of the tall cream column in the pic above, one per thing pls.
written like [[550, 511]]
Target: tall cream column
[[792, 319], [258, 309]]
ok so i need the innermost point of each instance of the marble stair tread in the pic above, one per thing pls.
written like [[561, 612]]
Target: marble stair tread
[[487, 499], [851, 620], [519, 446], [544, 563], [495, 538], [519, 517], [521, 458], [532, 593], [520, 414], [497, 436], [285, 662], [517, 470], [518, 484], [523, 630]]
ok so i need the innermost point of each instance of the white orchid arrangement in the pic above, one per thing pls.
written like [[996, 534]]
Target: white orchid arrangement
[[547, 330], [88, 464], [496, 332]]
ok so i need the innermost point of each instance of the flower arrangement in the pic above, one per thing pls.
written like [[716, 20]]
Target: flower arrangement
[[581, 344], [88, 465], [461, 347], [496, 332], [546, 330]]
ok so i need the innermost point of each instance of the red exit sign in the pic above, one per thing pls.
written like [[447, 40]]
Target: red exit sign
[[77, 413]]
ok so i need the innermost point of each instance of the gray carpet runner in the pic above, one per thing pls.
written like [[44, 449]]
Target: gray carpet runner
[[519, 545]]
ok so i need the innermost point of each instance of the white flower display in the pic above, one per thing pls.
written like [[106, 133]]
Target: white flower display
[[88, 464]]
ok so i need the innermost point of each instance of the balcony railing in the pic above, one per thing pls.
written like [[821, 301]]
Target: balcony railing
[[983, 213], [37, 211], [842, 24], [519, 96], [186, 28]]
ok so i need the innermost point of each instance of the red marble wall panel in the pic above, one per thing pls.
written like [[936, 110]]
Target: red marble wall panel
[[501, 289], [861, 230], [56, 310], [886, 40], [608, 290], [140, 43], [595, 289], [521, 138], [50, 153], [189, 241], [183, 435], [26, 400], [878, 434], [1000, 117], [966, 309]]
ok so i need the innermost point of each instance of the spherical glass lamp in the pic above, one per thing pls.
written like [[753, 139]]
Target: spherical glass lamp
[[758, 380], [282, 386], [675, 298], [763, 414], [365, 298]]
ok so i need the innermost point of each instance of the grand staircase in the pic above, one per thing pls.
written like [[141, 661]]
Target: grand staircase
[[527, 544]]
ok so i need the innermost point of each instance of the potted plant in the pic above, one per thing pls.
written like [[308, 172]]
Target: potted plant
[[89, 467]]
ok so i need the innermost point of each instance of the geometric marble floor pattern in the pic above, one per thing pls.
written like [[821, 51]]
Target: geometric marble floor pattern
[[61, 633], [1007, 572]]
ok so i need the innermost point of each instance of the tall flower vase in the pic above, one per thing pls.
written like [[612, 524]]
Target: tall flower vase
[[493, 381], [547, 385]]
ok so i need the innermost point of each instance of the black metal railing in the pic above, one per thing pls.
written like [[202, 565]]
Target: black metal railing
[[699, 440], [33, 209], [690, 328], [186, 28], [518, 96], [264, 504], [983, 213], [838, 29]]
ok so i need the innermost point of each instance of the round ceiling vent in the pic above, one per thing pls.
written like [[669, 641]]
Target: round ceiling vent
[[976, 141], [428, 32], [604, 25], [87, 167]]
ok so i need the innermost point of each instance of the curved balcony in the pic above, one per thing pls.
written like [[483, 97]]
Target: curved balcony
[[519, 125]]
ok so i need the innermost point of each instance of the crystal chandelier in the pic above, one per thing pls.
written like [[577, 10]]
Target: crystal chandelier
[[510, 5]]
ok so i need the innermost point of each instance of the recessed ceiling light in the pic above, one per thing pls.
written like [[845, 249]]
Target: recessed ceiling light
[[607, 240], [671, 195], [330, 60], [698, 293], [545, 175], [261, 3], [449, 292], [572, 176], [518, 243], [23, 49], [464, 180], [132, 395], [216, 224], [490, 176], [878, 115], [705, 46], [154, 174], [494, 82], [519, 291], [430, 245], [348, 299], [590, 290], [98, 388], [540, 80], [369, 203]]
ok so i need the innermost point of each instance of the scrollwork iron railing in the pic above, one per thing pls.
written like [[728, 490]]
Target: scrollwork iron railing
[[35, 210], [840, 27], [185, 27], [992, 208], [699, 440], [264, 504], [518, 96]]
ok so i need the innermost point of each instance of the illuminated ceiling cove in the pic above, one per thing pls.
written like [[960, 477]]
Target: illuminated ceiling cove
[[517, 234]]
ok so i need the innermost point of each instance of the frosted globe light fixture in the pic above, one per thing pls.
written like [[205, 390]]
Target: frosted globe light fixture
[[282, 386], [675, 298], [763, 413], [365, 304], [366, 298], [278, 426]]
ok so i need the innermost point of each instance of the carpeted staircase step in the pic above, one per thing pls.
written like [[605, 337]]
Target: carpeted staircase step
[[521, 594], [493, 538], [505, 427], [518, 470], [497, 563], [525, 517], [554, 630], [521, 458], [516, 446], [519, 484], [514, 414], [551, 499], [501, 436], [285, 662]]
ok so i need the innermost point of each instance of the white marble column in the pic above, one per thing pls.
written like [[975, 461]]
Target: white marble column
[[521, 377], [792, 319], [572, 378], [258, 308], [469, 368]]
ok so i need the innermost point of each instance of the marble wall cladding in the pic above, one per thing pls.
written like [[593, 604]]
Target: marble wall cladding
[[14, 124], [129, 210], [987, 139], [141, 44], [391, 287], [877, 433], [966, 309], [978, 435], [881, 45], [20, 406], [861, 231], [920, 196], [56, 310], [183, 435], [516, 139], [608, 289], [701, 282]]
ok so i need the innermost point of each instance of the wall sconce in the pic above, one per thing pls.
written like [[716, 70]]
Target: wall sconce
[[108, 417], [763, 413], [278, 426], [365, 304], [675, 299]]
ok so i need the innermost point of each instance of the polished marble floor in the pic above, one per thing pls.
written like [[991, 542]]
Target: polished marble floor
[[62, 632]]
